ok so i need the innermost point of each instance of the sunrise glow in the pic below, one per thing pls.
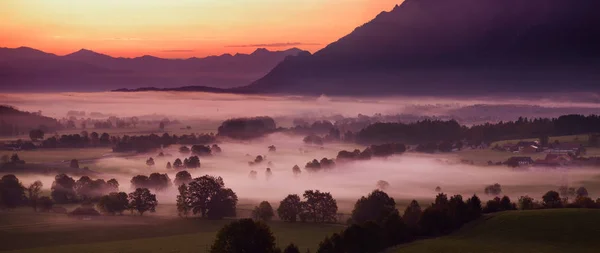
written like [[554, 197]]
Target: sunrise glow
[[182, 28]]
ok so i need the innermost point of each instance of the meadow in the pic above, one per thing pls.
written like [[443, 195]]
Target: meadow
[[543, 231], [22, 230]]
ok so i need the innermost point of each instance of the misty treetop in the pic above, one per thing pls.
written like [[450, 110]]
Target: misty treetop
[[247, 128]]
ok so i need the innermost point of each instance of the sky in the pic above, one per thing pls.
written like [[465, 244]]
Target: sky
[[182, 28]]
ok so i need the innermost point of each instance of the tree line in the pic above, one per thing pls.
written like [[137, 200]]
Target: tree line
[[435, 131]]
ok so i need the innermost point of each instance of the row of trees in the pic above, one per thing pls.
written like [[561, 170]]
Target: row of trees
[[126, 143], [437, 131], [141, 200], [66, 190]]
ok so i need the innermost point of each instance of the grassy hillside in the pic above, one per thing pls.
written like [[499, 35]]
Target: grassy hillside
[[542, 231], [22, 230]]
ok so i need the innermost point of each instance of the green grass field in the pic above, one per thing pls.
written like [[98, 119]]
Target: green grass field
[[541, 231], [22, 230]]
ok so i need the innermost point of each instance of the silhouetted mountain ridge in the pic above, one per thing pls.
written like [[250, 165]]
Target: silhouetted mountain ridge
[[85, 70], [454, 46]]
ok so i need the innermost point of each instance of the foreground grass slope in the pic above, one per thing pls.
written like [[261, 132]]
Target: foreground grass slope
[[23, 231], [542, 231]]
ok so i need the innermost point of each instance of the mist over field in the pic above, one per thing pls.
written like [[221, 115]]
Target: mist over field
[[410, 175], [198, 105]]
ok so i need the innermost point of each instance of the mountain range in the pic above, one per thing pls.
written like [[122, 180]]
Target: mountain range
[[432, 47], [28, 69], [454, 47]]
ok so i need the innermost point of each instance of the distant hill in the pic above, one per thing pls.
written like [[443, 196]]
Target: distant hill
[[14, 122], [454, 47], [28, 69]]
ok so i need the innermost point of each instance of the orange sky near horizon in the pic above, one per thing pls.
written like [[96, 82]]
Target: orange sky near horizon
[[182, 28]]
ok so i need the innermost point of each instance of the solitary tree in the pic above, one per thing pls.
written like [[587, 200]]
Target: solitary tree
[[33, 192], [208, 196], [177, 164], [169, 165], [296, 170], [244, 235], [182, 177], [150, 161], [141, 200], [263, 211], [74, 164]]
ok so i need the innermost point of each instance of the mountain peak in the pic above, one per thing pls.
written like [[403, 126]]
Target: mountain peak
[[260, 51]]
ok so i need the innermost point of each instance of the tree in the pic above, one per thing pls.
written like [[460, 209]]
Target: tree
[[141, 200], [291, 248], [382, 185], [169, 165], [208, 196], [272, 148], [263, 211], [201, 150], [290, 208], [113, 185], [184, 150], [161, 126], [296, 170], [526, 203], [183, 205], [12, 192], [182, 177], [15, 158], [268, 173], [159, 182], [74, 164], [177, 164], [33, 193], [45, 204], [139, 181], [359, 238], [36, 134], [222, 204], [319, 206], [552, 199], [494, 189], [192, 163], [474, 207], [63, 189], [150, 161], [582, 192], [412, 213], [244, 235], [113, 203], [375, 207]]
